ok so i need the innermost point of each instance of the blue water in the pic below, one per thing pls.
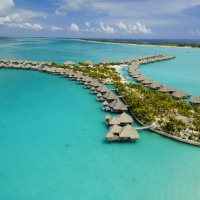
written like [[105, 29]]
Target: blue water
[[52, 132]]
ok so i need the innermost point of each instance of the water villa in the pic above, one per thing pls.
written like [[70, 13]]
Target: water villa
[[195, 101], [155, 85], [69, 63], [122, 120], [126, 133], [117, 106], [180, 94], [110, 96], [105, 62]]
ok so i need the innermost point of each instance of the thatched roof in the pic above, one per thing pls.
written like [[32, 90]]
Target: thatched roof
[[128, 132], [125, 118], [95, 83], [155, 85], [105, 62], [172, 89], [118, 105], [136, 75], [99, 94], [105, 103], [114, 121], [141, 77], [195, 100], [110, 95], [102, 89], [69, 63], [179, 94], [115, 129], [107, 117], [147, 81], [164, 89]]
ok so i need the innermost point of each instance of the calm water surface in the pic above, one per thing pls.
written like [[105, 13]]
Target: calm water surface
[[52, 131]]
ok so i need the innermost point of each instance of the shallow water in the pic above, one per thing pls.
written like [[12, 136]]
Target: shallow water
[[52, 143]]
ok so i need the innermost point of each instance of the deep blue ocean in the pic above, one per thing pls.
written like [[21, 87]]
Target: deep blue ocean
[[52, 130]]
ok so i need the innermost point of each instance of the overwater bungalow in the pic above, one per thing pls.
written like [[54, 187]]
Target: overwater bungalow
[[155, 85], [102, 89], [99, 94], [71, 75], [20, 66], [164, 89], [107, 117], [36, 67], [28, 66], [195, 100], [93, 88], [124, 119], [125, 133], [172, 89], [69, 63], [87, 79], [113, 121], [180, 94], [1, 65], [9, 65], [117, 106], [141, 78], [105, 62], [78, 76], [110, 96], [44, 69], [105, 103], [147, 81], [95, 83]]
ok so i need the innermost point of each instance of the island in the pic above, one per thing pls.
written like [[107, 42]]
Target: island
[[170, 44], [152, 104]]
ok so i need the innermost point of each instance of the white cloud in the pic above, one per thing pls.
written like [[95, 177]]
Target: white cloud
[[60, 13], [29, 14], [74, 27], [26, 26], [107, 29], [5, 6], [143, 8], [198, 32], [87, 24], [16, 18], [191, 32], [121, 25], [138, 28], [45, 16], [4, 20], [76, 4], [55, 28]]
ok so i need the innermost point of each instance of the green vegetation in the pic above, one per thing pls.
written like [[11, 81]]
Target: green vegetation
[[98, 71], [174, 117], [148, 43]]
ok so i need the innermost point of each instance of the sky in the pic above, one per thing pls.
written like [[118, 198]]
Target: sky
[[152, 19]]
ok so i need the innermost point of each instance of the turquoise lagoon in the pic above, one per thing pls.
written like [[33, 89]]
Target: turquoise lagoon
[[52, 130]]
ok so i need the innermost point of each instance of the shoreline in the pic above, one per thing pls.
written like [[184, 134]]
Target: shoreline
[[141, 44]]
